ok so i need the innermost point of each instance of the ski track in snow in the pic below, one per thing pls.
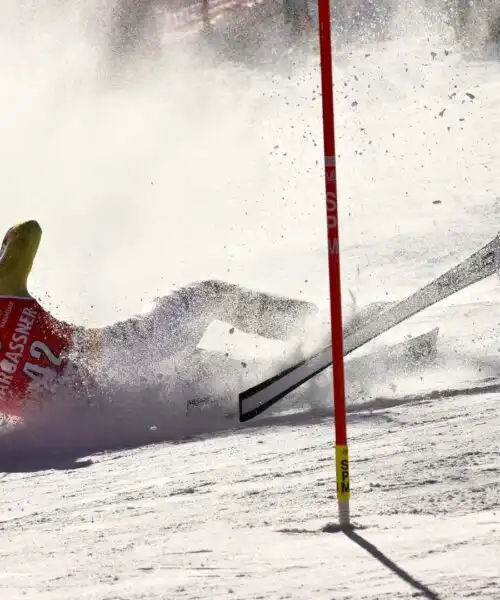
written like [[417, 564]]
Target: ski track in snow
[[219, 510]]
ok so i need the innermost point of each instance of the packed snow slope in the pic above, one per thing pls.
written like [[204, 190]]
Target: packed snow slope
[[199, 167]]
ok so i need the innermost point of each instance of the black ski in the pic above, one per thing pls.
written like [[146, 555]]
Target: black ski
[[478, 266]]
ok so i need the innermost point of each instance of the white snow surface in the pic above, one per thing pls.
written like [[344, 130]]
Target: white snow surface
[[200, 168]]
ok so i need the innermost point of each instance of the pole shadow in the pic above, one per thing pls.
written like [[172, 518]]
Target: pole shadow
[[350, 532], [389, 564]]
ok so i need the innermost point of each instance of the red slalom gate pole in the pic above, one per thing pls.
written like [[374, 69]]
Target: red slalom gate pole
[[341, 450]]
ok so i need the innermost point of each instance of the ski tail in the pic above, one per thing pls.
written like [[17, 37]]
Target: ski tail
[[478, 266]]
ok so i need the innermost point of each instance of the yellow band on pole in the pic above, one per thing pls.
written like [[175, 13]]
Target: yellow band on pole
[[342, 464]]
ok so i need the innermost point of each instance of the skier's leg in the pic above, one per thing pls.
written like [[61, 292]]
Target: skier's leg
[[178, 321], [251, 311]]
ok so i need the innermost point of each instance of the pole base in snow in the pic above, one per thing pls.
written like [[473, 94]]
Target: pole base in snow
[[344, 523], [337, 528], [344, 520]]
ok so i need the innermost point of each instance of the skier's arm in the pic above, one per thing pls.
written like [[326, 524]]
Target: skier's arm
[[16, 260]]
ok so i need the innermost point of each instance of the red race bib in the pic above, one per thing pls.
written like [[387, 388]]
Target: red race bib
[[34, 350]]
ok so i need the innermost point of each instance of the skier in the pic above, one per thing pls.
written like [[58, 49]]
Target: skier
[[37, 350]]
